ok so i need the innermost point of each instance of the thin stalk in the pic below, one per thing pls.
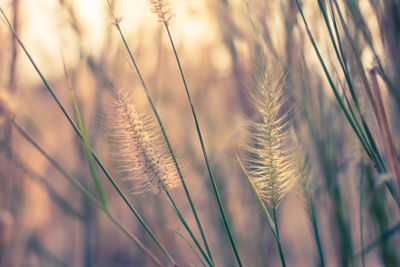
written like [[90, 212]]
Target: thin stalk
[[385, 236], [166, 140], [52, 193], [86, 194], [214, 185], [316, 232], [85, 140], [358, 60], [365, 129], [361, 214], [366, 85], [278, 241], [190, 245], [109, 177], [272, 223], [334, 89], [385, 128], [177, 212]]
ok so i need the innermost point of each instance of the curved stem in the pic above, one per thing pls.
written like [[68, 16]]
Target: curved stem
[[214, 185], [177, 212]]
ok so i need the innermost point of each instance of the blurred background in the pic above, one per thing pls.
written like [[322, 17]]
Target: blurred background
[[222, 45]]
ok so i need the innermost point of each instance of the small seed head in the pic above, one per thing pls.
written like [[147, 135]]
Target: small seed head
[[145, 160]]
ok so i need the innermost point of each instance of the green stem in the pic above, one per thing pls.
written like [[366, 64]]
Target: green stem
[[278, 240], [385, 236], [89, 155], [214, 185], [349, 118], [86, 193], [177, 212], [316, 233], [190, 245], [166, 140]]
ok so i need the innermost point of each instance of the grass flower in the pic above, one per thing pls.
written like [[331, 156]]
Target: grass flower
[[161, 9], [271, 162], [145, 160], [271, 165]]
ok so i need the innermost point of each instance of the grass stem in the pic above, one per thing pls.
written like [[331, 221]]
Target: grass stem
[[278, 240], [214, 185], [316, 233]]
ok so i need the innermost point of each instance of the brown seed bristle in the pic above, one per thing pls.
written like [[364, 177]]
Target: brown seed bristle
[[143, 156]]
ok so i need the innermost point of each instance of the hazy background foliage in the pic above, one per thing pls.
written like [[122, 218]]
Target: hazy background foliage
[[44, 221]]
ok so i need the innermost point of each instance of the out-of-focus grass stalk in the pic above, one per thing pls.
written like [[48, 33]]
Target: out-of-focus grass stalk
[[86, 193], [388, 139], [343, 62], [34, 245], [361, 213], [360, 66], [359, 22], [385, 236], [210, 260], [329, 169], [109, 177], [380, 214], [214, 185], [89, 155], [271, 223], [53, 194], [361, 130], [351, 119]]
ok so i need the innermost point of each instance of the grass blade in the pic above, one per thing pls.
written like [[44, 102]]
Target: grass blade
[[89, 155]]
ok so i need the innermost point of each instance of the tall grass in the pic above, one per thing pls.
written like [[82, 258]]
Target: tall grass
[[326, 128]]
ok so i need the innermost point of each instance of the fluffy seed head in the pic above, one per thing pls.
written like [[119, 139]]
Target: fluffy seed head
[[270, 161], [161, 9], [141, 151]]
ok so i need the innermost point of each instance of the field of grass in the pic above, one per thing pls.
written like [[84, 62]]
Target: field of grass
[[199, 133]]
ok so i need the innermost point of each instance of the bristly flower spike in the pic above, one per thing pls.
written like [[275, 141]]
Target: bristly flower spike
[[143, 155], [162, 10], [271, 162]]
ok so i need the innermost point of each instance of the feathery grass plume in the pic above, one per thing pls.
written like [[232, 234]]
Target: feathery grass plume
[[143, 155], [162, 10], [271, 162]]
